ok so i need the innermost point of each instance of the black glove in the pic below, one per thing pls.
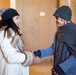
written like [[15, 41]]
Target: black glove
[[58, 70], [37, 53]]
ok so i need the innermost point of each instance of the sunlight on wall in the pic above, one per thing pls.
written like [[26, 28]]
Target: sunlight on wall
[[13, 3]]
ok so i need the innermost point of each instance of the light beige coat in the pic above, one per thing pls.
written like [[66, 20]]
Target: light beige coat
[[11, 58]]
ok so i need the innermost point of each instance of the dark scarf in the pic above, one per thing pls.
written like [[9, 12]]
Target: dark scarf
[[66, 41], [67, 34]]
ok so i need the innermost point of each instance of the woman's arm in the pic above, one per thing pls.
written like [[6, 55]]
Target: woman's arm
[[10, 53]]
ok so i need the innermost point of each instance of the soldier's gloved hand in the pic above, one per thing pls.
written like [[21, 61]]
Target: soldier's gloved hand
[[37, 53], [58, 70]]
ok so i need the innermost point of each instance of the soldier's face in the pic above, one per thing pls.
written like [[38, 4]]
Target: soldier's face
[[60, 22]]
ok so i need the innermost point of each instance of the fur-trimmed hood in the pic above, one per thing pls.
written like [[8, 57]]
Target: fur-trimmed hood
[[14, 38]]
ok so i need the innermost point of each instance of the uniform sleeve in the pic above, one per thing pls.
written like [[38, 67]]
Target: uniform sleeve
[[11, 54], [47, 52], [69, 63]]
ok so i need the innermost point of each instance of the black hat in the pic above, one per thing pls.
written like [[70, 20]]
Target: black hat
[[7, 13], [64, 12]]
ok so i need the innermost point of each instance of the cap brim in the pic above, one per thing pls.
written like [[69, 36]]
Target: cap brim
[[57, 15]]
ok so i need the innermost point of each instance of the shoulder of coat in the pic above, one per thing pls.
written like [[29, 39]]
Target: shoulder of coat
[[10, 33]]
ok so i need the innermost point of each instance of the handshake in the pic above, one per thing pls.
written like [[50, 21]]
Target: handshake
[[29, 57], [37, 53]]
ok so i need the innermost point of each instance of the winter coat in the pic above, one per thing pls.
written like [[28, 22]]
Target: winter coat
[[68, 65], [11, 58]]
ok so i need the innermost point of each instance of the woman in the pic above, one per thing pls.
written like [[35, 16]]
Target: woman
[[14, 60]]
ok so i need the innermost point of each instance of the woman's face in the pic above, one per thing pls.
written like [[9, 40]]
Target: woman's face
[[16, 20]]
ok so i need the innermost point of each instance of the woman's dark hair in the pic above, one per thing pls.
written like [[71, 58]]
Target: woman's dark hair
[[10, 24], [6, 15]]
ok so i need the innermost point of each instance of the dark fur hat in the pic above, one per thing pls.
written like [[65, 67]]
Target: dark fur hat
[[7, 13]]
